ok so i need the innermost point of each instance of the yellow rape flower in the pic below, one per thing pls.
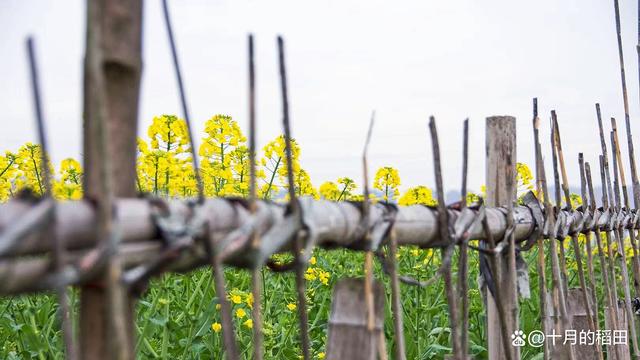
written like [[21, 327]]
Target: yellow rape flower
[[248, 324], [8, 172], [312, 261], [348, 185], [274, 163], [240, 313], [249, 300], [236, 299], [164, 164], [69, 187], [310, 275], [303, 185], [29, 166], [387, 180], [524, 177], [216, 327], [321, 355], [225, 160], [291, 306], [324, 277], [417, 195], [342, 190], [329, 190]]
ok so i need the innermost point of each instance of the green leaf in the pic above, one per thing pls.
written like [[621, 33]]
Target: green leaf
[[160, 321], [439, 330]]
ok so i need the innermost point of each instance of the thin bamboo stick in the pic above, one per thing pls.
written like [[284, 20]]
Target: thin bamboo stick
[[620, 167], [463, 262], [295, 211], [558, 197], [59, 251], [443, 225], [398, 324], [590, 272], [625, 100], [542, 277], [617, 233], [228, 331], [608, 275], [607, 195], [562, 322], [574, 236], [256, 280], [366, 215]]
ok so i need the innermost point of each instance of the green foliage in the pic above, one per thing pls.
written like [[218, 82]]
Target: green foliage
[[175, 316]]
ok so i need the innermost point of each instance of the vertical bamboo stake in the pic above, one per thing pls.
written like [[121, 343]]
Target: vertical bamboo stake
[[368, 264], [604, 169], [396, 303], [606, 189], [542, 277], [627, 203], [587, 234], [625, 100], [501, 162], [294, 209], [617, 233], [609, 236], [228, 332], [256, 283], [113, 67], [183, 100], [511, 256], [603, 266], [59, 251], [559, 305], [607, 195], [443, 226], [558, 197], [512, 285], [574, 236], [463, 263]]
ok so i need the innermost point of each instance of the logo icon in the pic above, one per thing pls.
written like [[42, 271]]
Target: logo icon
[[517, 338], [536, 338]]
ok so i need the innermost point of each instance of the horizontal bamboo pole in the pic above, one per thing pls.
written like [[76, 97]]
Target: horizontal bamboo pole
[[336, 223], [333, 224]]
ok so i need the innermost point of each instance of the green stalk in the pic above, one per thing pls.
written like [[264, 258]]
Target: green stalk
[[273, 175], [165, 334]]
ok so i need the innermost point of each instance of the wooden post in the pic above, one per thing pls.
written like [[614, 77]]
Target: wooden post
[[349, 336], [501, 165], [113, 41], [624, 351], [577, 310]]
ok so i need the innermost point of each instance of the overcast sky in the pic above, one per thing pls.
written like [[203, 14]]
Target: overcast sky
[[409, 60]]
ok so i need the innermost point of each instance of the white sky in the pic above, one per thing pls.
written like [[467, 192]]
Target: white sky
[[452, 59]]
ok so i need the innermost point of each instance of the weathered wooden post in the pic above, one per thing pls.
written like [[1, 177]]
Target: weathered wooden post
[[113, 65], [617, 351], [578, 312], [500, 168], [349, 336]]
